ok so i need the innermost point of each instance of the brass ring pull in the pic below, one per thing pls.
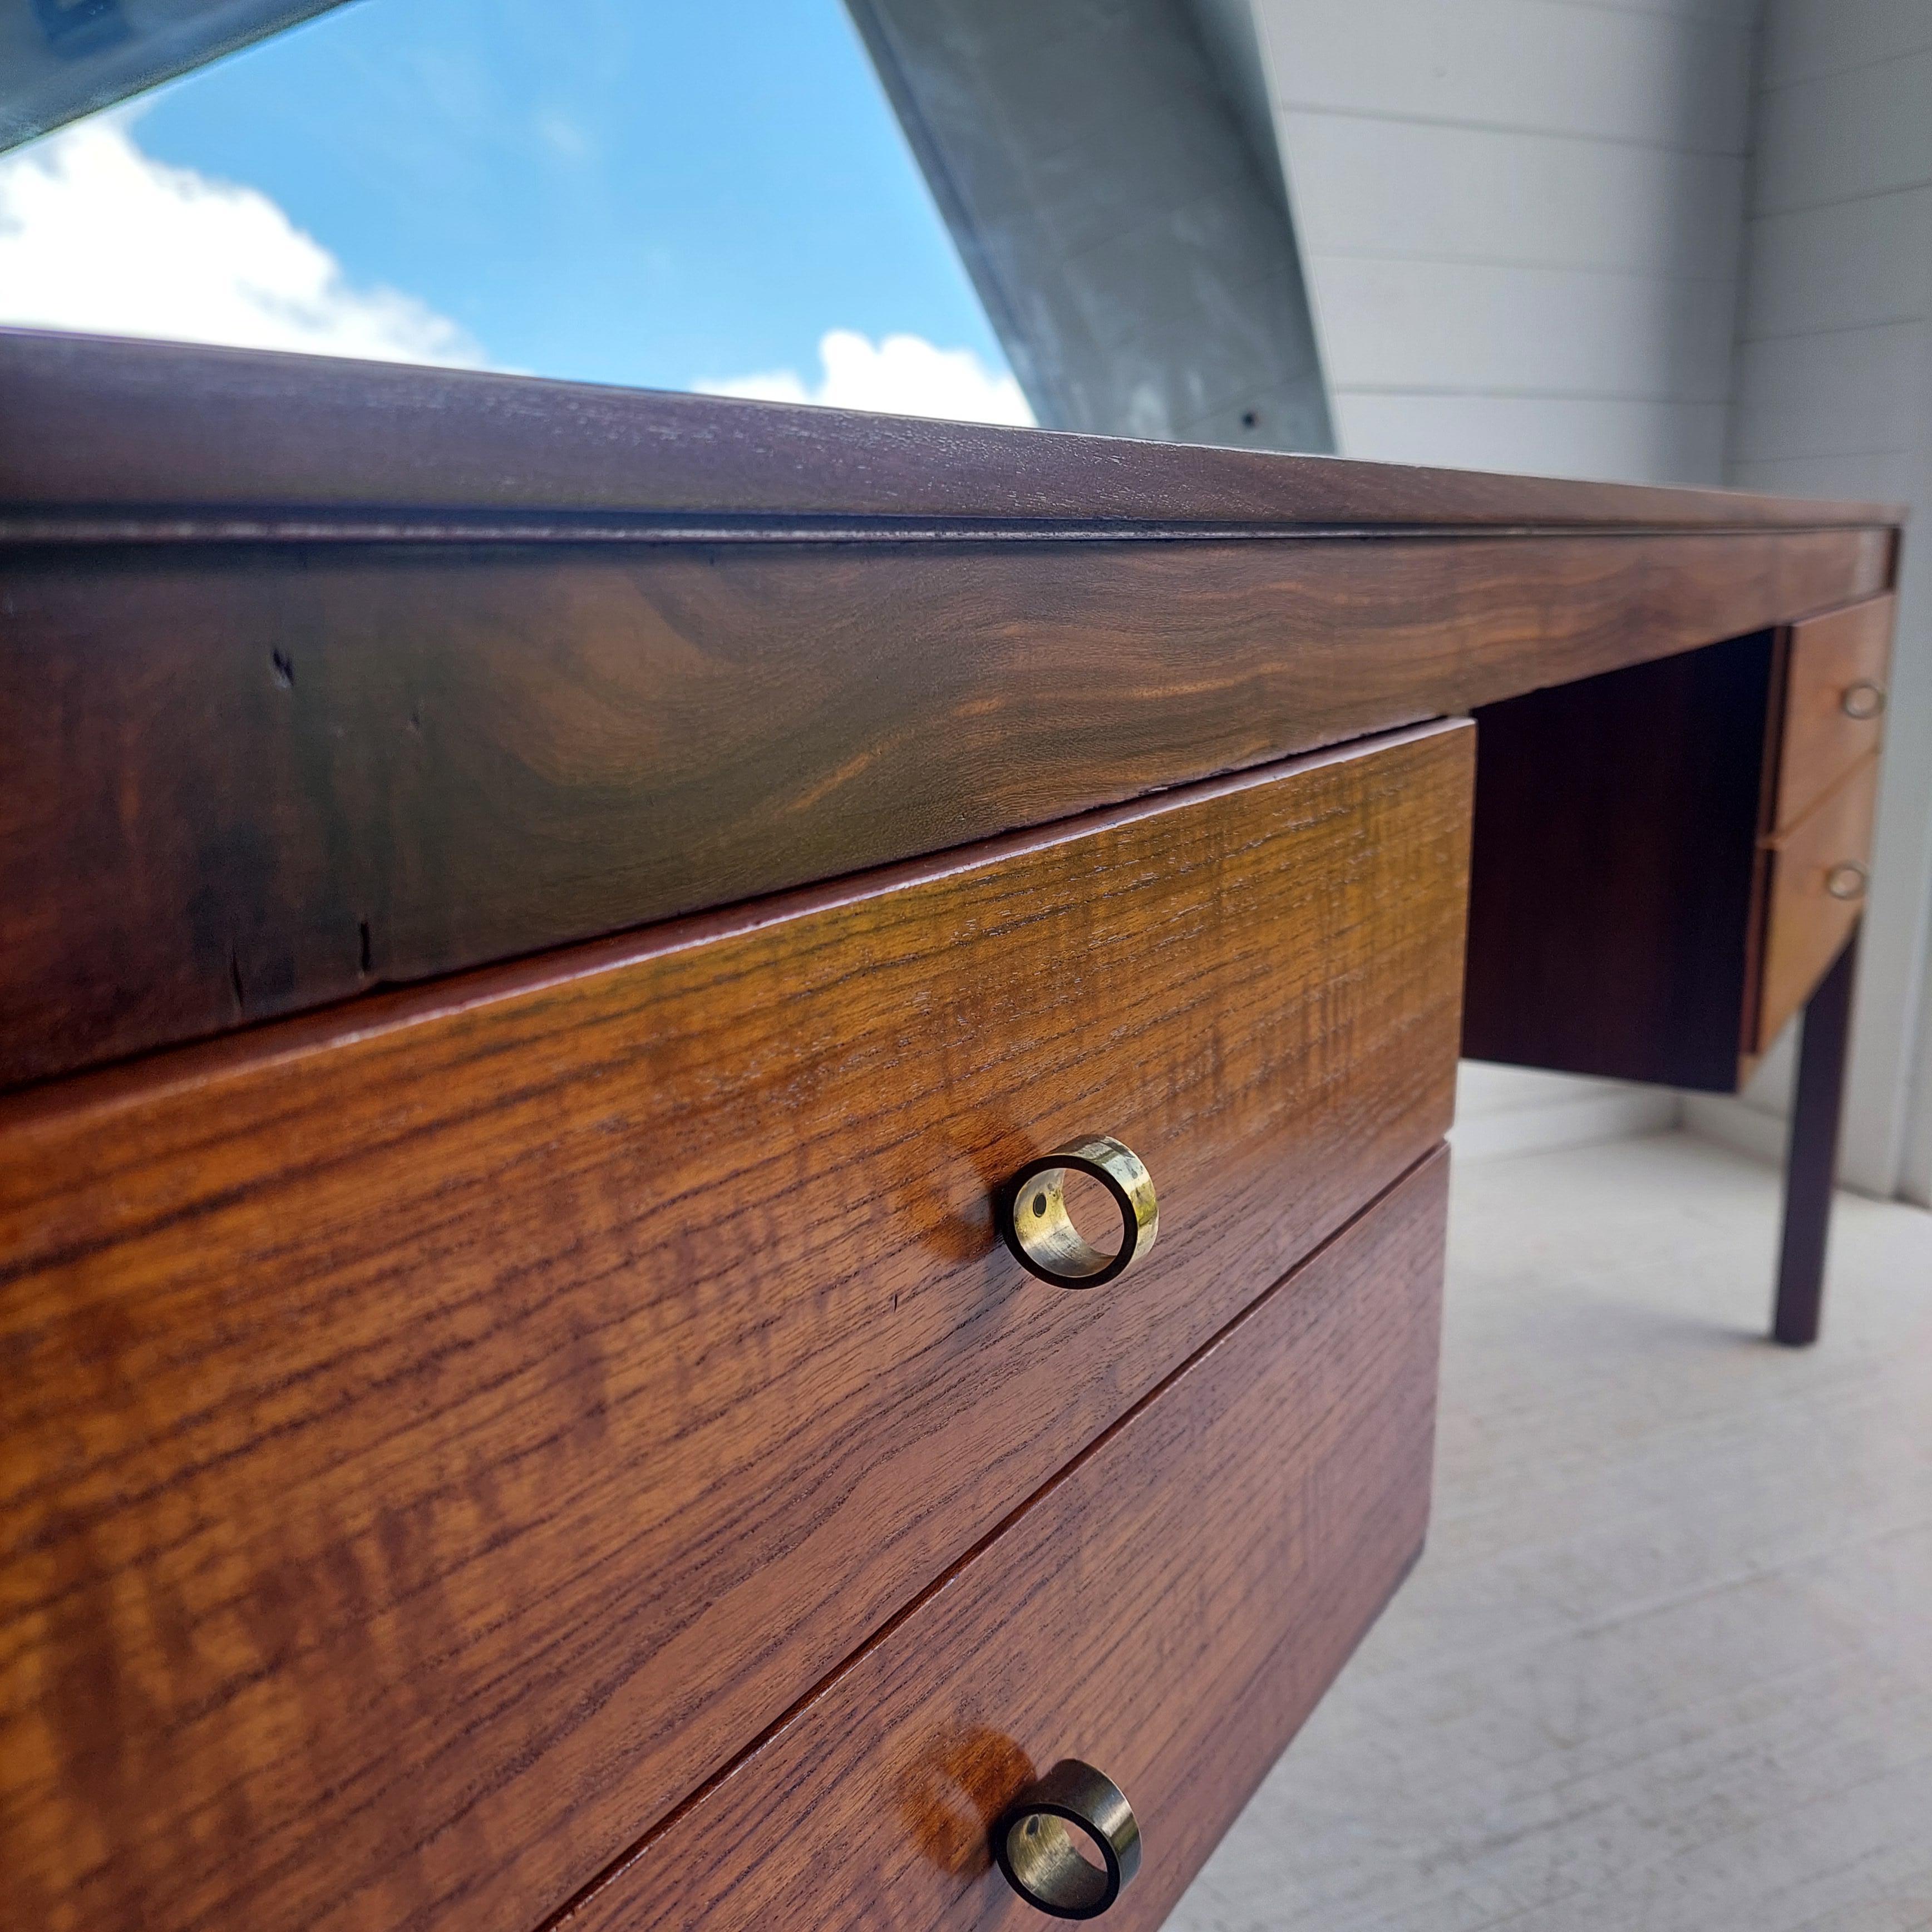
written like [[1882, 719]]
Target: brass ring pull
[[1037, 1852], [1034, 1223], [1846, 879], [1863, 699]]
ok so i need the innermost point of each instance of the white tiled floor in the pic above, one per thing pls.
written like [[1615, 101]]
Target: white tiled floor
[[1667, 1663]]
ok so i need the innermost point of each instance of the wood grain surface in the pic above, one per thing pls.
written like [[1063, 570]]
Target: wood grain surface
[[246, 780], [166, 432], [1820, 742], [441, 1435], [1806, 927], [1170, 1610], [1615, 881]]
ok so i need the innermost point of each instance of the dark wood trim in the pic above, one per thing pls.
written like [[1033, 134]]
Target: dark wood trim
[[321, 675], [248, 780], [90, 424], [1811, 1158], [39, 526]]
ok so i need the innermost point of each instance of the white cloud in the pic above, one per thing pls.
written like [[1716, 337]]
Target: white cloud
[[562, 135], [903, 375], [96, 236]]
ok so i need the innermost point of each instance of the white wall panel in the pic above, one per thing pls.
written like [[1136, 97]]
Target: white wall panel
[[1377, 187], [1838, 393], [1542, 436], [1805, 39], [1516, 330], [1600, 71], [1521, 222], [1860, 133], [1873, 476], [1846, 266]]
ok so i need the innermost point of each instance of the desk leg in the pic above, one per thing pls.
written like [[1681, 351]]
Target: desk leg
[[1811, 1161]]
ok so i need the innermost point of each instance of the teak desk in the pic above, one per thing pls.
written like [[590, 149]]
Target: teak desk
[[556, 940]]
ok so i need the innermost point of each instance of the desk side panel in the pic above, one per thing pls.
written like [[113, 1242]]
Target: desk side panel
[[1614, 868]]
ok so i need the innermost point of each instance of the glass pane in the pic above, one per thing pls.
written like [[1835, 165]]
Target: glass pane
[[713, 197]]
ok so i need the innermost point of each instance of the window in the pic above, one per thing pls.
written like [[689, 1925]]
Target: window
[[670, 196]]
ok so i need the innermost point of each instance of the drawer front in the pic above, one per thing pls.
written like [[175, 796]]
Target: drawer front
[[438, 1441], [1837, 669], [1169, 1610], [1817, 894]]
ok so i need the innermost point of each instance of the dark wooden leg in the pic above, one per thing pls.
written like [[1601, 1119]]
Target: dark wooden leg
[[1811, 1162]]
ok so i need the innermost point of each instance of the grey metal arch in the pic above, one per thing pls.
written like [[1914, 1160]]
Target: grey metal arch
[[60, 59], [1108, 171]]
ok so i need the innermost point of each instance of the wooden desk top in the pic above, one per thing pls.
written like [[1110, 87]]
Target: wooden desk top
[[322, 675], [98, 424]]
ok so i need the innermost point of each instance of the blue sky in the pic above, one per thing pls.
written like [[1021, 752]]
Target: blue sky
[[629, 191]]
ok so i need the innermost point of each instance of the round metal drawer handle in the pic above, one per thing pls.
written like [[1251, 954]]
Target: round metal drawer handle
[[1864, 699], [1038, 1841], [1846, 879], [1034, 1223]]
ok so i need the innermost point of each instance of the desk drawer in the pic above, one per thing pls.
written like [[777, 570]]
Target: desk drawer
[[441, 1436], [1169, 1610], [1816, 893], [1837, 671]]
